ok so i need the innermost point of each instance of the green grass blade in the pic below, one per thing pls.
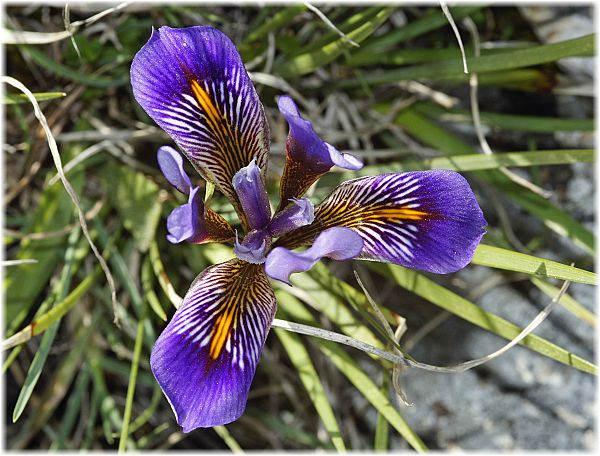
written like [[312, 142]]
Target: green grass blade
[[231, 443], [58, 386], [309, 62], [514, 122], [446, 299], [453, 69], [150, 410], [372, 393], [41, 354], [431, 21], [352, 371], [495, 257], [53, 315], [91, 80], [477, 162], [16, 98], [567, 301], [135, 197], [161, 275], [54, 211], [149, 293], [35, 370], [135, 363], [346, 27], [382, 429], [310, 378], [73, 410], [279, 20], [109, 411]]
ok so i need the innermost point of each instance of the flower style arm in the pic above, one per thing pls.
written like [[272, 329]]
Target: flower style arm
[[428, 220], [193, 83], [206, 357], [337, 243]]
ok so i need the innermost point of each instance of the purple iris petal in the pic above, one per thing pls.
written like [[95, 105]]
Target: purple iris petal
[[305, 146], [194, 85], [337, 243], [427, 220], [186, 222], [252, 194], [254, 247], [206, 357], [171, 165], [300, 213]]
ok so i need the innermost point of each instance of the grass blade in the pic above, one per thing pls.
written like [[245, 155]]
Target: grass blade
[[135, 363], [228, 439], [446, 299], [309, 62], [495, 257], [453, 69], [91, 80], [567, 301], [310, 378], [35, 370], [514, 122], [11, 98], [357, 377], [477, 162]]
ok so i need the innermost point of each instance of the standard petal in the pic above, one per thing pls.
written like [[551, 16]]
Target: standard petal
[[428, 220], [195, 223], [308, 157], [193, 83], [337, 243], [206, 357], [171, 165]]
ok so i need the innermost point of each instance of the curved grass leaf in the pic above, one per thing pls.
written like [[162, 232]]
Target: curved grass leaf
[[430, 21], [277, 21], [495, 257], [513, 122], [309, 62], [300, 358], [228, 439], [453, 69], [39, 360], [476, 162], [566, 301], [149, 293], [355, 374], [12, 98], [91, 80], [453, 303]]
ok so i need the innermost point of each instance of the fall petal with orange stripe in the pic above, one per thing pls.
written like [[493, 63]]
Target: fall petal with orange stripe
[[192, 83]]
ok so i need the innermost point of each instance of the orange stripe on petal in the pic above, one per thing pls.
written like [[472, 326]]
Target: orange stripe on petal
[[426, 220], [206, 357]]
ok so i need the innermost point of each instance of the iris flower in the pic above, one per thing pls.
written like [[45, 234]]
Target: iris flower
[[193, 83]]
